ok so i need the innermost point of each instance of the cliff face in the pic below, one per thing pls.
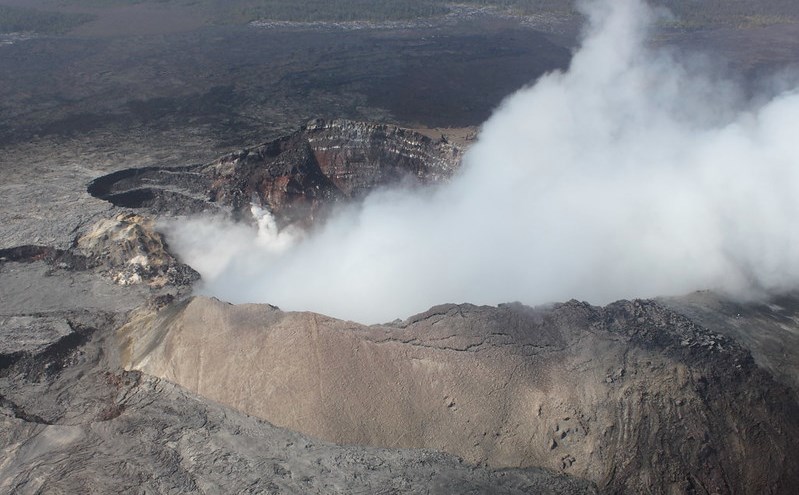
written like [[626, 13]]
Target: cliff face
[[637, 397], [71, 421], [633, 396], [296, 177]]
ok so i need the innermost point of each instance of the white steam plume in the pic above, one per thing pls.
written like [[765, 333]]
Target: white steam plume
[[629, 175]]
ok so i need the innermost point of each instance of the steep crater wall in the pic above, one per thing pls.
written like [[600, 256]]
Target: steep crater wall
[[296, 177], [633, 396]]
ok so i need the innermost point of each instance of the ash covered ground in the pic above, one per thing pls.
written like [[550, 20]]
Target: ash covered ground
[[115, 378]]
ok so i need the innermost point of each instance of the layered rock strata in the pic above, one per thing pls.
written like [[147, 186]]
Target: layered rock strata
[[296, 177]]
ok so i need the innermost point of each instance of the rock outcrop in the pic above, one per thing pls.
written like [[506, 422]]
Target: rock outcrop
[[72, 422], [768, 328], [130, 251], [633, 396], [30, 334], [296, 177]]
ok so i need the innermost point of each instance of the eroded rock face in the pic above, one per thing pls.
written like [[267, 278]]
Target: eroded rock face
[[637, 397], [296, 177], [131, 252], [768, 328], [29, 334], [633, 396], [72, 422]]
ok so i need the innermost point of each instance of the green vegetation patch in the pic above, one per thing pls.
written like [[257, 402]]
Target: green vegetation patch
[[22, 19]]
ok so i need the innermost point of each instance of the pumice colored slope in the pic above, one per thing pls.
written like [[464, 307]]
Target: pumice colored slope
[[633, 396], [71, 421]]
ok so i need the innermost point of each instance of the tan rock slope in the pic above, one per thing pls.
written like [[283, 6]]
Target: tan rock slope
[[72, 422], [633, 396]]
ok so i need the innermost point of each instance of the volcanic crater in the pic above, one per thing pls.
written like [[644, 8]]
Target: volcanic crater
[[633, 397], [297, 177]]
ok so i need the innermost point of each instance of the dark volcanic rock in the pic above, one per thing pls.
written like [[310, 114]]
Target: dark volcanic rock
[[30, 334], [105, 256], [295, 177], [768, 328], [59, 258]]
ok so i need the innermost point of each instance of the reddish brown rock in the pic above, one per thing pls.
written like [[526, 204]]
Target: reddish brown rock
[[296, 177]]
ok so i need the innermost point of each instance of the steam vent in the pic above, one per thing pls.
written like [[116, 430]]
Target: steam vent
[[204, 292], [296, 177], [682, 395]]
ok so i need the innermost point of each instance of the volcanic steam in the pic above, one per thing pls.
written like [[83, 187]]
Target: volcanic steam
[[632, 174]]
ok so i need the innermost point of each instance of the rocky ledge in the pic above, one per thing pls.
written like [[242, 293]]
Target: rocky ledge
[[110, 378], [296, 177], [633, 396]]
